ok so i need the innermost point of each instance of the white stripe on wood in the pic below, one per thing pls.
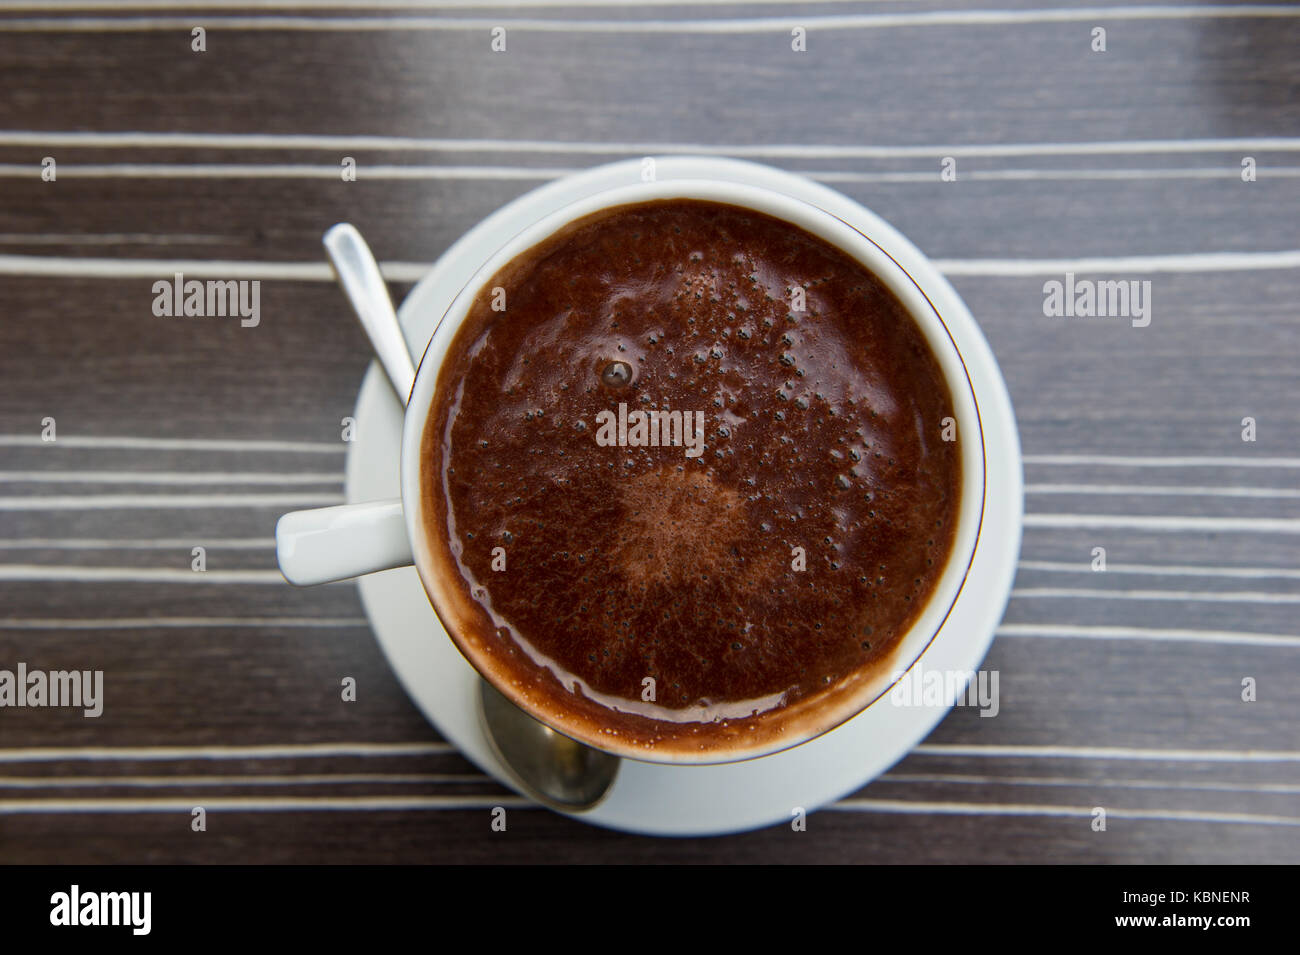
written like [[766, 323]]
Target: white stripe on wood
[[1158, 490], [1262, 789], [1139, 634], [1182, 596], [1169, 461], [165, 269], [916, 807], [735, 25], [1159, 570], [1235, 146], [113, 502], [172, 444], [167, 477], [138, 575], [1168, 523], [105, 543], [184, 753], [264, 804], [332, 779], [1001, 751], [388, 172], [174, 623]]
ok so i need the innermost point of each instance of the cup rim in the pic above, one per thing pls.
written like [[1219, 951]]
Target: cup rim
[[873, 254]]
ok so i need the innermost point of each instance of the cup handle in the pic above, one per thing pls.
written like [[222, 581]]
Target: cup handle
[[335, 543]]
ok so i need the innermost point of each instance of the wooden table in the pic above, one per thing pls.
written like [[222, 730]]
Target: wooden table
[[1120, 690]]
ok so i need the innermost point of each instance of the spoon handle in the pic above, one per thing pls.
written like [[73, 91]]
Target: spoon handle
[[358, 273]]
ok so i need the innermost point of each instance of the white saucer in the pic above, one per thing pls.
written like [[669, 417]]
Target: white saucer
[[690, 800]]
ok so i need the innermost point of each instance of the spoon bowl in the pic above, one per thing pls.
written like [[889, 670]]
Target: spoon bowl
[[551, 768]]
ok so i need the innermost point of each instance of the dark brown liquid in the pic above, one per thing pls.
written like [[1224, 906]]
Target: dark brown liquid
[[821, 432]]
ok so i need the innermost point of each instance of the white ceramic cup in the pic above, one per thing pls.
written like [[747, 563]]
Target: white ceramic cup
[[335, 543]]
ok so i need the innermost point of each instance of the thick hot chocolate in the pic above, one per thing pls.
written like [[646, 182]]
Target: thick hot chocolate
[[686, 476]]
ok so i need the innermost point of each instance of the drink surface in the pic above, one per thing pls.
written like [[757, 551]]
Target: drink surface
[[685, 475]]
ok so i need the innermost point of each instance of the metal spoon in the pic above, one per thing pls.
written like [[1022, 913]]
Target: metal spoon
[[556, 771], [358, 273]]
